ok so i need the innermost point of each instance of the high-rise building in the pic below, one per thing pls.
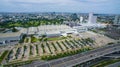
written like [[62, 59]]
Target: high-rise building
[[117, 20], [81, 19], [92, 22], [92, 18]]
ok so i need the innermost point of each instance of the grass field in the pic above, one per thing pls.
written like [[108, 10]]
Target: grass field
[[58, 38], [3, 56], [106, 62]]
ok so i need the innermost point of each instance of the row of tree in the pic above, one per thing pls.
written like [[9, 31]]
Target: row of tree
[[30, 23]]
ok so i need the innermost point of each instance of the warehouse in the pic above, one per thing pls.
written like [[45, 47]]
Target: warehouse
[[10, 38]]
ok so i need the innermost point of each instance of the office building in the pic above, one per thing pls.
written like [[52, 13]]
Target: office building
[[81, 19], [92, 18]]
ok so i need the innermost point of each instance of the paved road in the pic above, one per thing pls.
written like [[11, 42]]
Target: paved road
[[78, 58], [113, 56]]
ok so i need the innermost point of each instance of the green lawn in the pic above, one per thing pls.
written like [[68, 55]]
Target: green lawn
[[34, 39], [56, 38], [106, 62], [3, 56], [18, 63]]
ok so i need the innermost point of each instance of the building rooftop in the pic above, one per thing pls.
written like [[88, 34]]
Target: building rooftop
[[4, 35], [47, 29]]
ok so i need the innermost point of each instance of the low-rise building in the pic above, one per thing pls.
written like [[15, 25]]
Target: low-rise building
[[80, 28], [10, 38], [49, 30]]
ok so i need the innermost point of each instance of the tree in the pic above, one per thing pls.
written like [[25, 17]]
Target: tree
[[14, 29], [74, 17]]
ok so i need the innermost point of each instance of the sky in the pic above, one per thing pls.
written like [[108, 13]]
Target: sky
[[80, 6]]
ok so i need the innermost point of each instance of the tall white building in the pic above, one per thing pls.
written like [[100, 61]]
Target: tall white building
[[92, 18], [81, 19], [92, 22]]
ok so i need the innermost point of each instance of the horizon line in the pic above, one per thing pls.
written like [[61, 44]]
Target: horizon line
[[53, 12]]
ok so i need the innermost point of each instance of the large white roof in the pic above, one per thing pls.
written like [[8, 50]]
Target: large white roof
[[48, 29], [32, 30]]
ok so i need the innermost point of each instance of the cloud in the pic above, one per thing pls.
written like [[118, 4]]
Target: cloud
[[97, 1], [101, 6], [42, 1]]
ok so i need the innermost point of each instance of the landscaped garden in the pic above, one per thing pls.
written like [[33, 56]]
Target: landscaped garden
[[51, 50]]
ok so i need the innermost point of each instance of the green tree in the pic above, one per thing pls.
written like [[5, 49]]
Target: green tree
[[14, 29]]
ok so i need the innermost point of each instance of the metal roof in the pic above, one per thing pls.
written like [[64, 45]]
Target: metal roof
[[4, 35]]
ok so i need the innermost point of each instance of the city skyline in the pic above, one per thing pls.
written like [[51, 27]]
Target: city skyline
[[81, 6]]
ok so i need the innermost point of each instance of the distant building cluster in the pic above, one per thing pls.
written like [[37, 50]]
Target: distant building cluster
[[92, 18], [117, 20], [92, 22]]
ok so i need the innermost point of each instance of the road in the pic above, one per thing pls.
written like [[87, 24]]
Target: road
[[78, 58]]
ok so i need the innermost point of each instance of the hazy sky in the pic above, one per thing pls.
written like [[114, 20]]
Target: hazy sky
[[84, 6]]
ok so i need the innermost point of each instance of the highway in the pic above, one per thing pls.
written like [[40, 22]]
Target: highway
[[78, 58]]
